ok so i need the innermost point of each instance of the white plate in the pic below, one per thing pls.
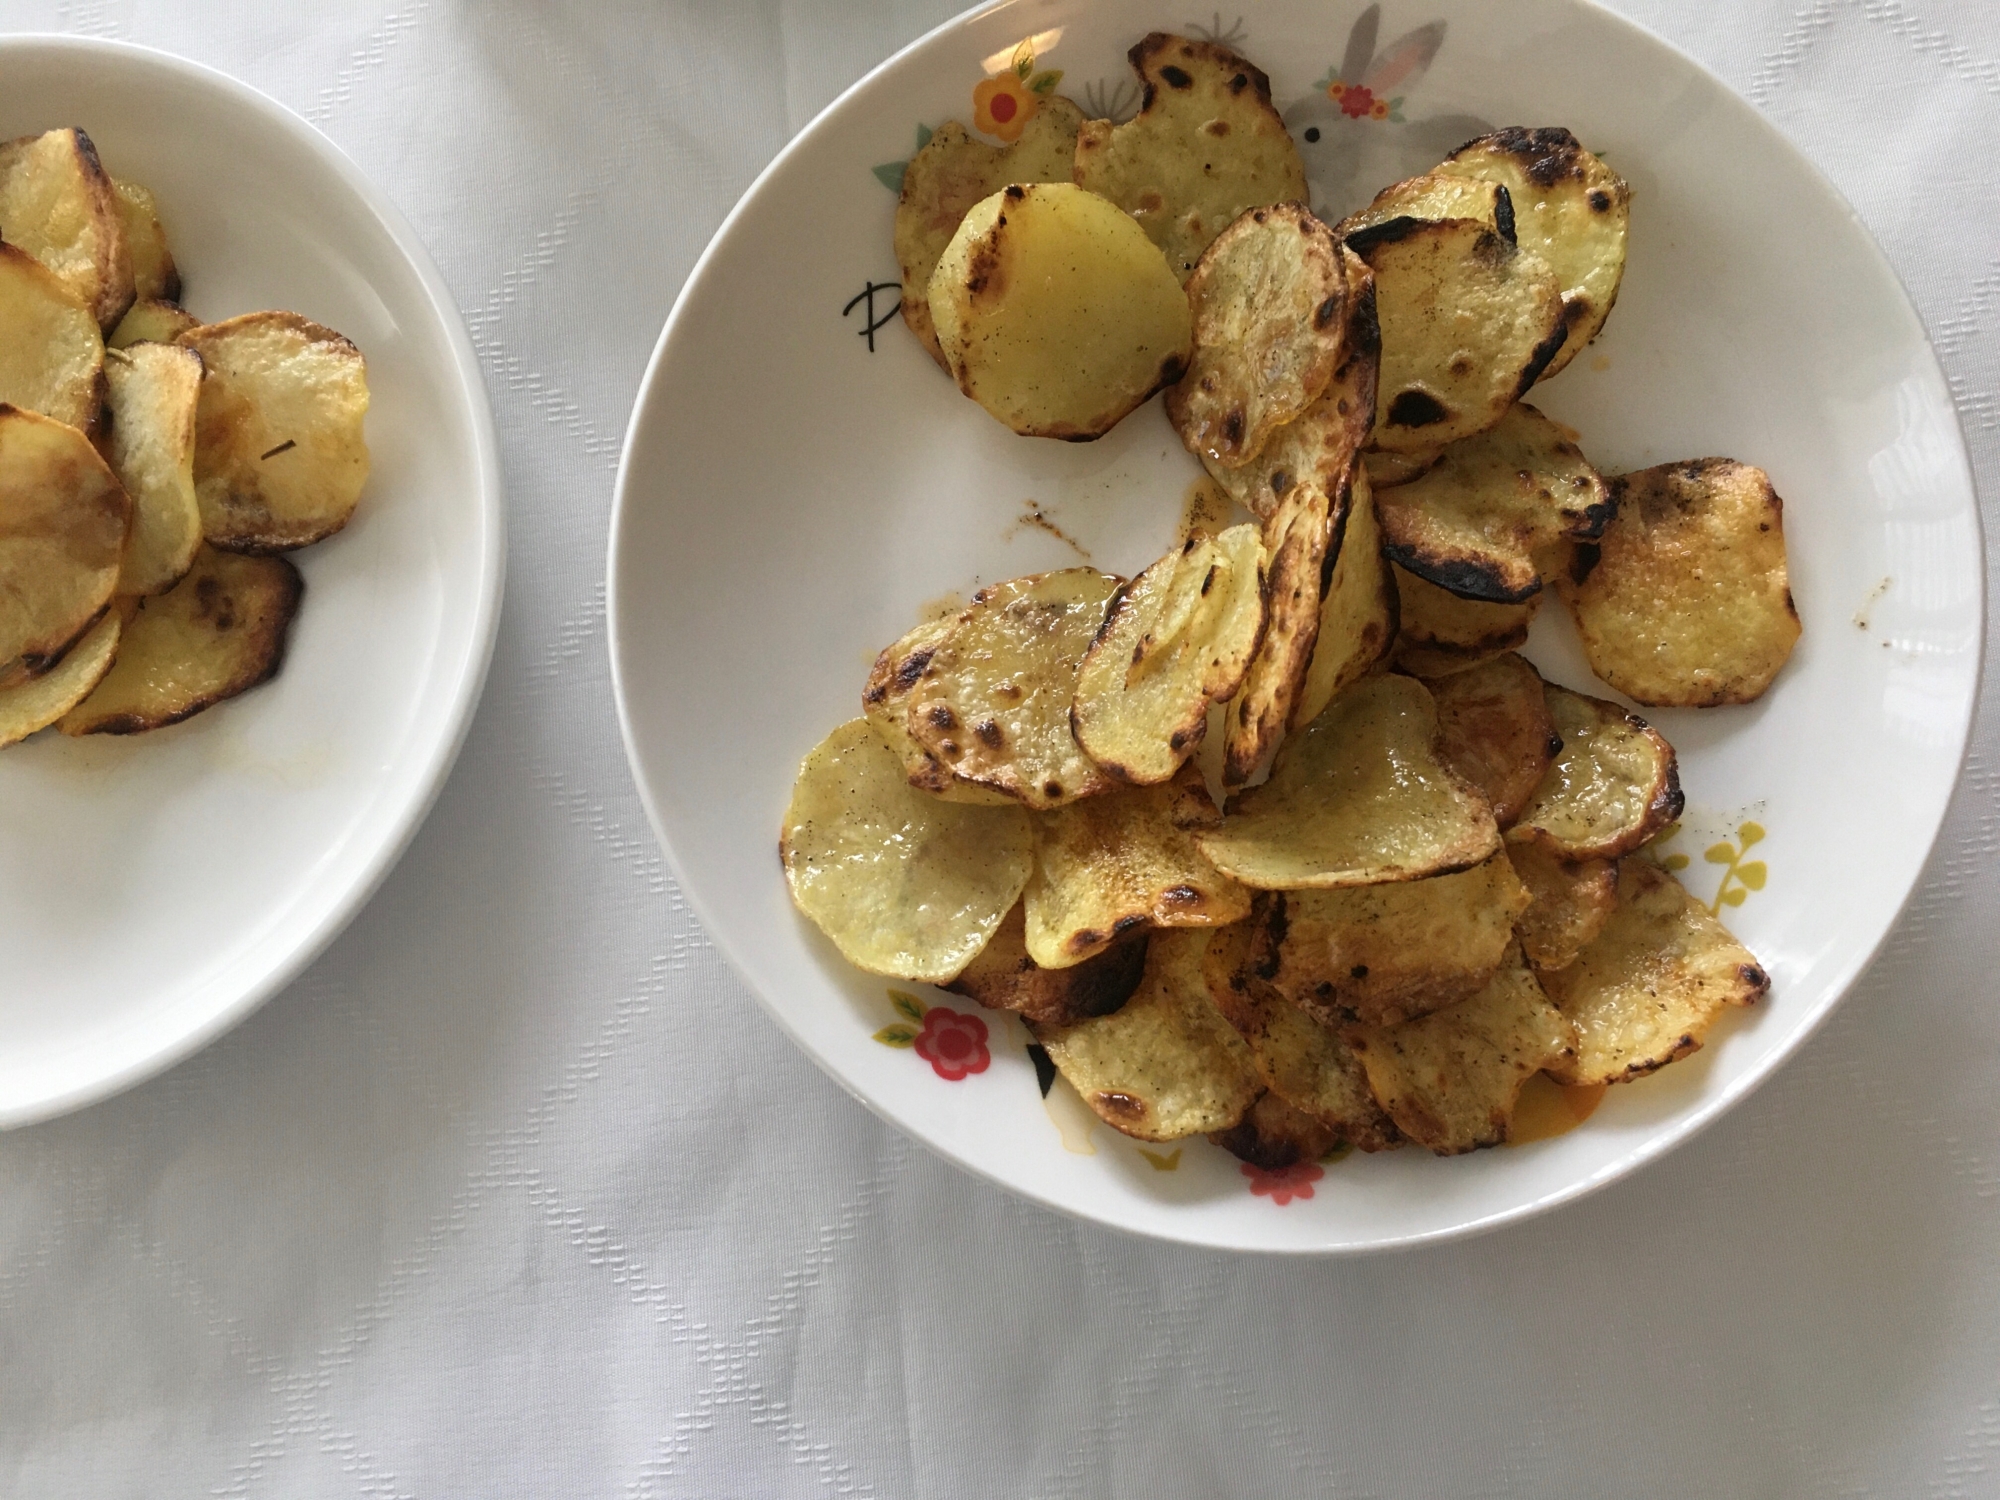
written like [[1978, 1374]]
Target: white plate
[[788, 501], [154, 890]]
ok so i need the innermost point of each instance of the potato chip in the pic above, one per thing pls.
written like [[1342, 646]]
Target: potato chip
[[1165, 1064], [1434, 196], [1569, 208], [1056, 313], [57, 204], [51, 357], [279, 459], [1206, 145], [1387, 470], [1004, 977], [1469, 322], [153, 390], [1357, 797], [1494, 506], [1298, 543], [40, 701], [154, 275], [885, 702], [1273, 1135], [151, 322], [1686, 600], [1178, 637], [63, 520], [1573, 899], [906, 885], [1107, 865], [220, 631], [993, 702], [1450, 1080], [1380, 954], [1269, 303], [952, 172], [1440, 633], [1358, 613], [1610, 789], [1650, 985], [1496, 731]]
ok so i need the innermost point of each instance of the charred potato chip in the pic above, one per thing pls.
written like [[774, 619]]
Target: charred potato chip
[[885, 702], [1298, 541], [1440, 633], [1569, 208], [1273, 1135], [1056, 313], [1481, 521], [1269, 304], [1358, 613], [1436, 196], [1686, 599], [63, 521], [1497, 732], [1387, 470], [1650, 985], [279, 454], [1611, 788], [154, 275], [1573, 899], [952, 172], [1450, 1080], [1206, 145], [1004, 977], [151, 323], [904, 884], [40, 701], [51, 356], [57, 204], [153, 390], [1356, 798]]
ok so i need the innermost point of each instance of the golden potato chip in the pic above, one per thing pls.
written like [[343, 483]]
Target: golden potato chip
[[1612, 787], [1496, 731], [1387, 470], [1178, 637], [1206, 145], [220, 631], [40, 701], [1469, 321], [1440, 633], [154, 276], [1269, 303], [57, 204], [1435, 196], [1686, 600], [1357, 615], [1273, 1135], [1450, 1080], [153, 390], [1004, 977], [1298, 546], [1573, 899], [1356, 798], [906, 885], [1649, 986], [51, 357], [1494, 506], [1165, 1064], [885, 702], [279, 456], [151, 322], [1380, 954], [1569, 208], [952, 172], [1107, 865], [992, 703], [63, 520]]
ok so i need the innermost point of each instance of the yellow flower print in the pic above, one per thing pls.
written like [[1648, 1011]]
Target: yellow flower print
[[1003, 106]]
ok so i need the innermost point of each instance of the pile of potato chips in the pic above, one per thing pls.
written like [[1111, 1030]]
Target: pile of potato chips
[[1280, 841], [151, 467]]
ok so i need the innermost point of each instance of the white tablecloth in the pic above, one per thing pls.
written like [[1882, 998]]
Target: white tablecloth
[[518, 1193]]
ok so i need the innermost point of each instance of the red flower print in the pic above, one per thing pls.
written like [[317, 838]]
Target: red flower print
[[1357, 101], [1285, 1184], [955, 1045]]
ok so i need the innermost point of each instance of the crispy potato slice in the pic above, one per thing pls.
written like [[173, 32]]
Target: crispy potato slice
[[153, 390], [154, 275], [63, 521], [1569, 208], [1650, 985], [1381, 954], [952, 172], [1440, 633], [1573, 899], [906, 885], [1469, 322], [1056, 313], [1387, 470], [151, 323], [1480, 523], [1269, 303], [57, 204], [885, 702], [1686, 600], [1298, 543], [1273, 1135], [1358, 797], [40, 701], [1107, 865], [1179, 637], [1612, 787], [1433, 196], [1004, 977], [51, 356], [992, 703], [1450, 1080], [1358, 613], [280, 458], [1497, 732], [1165, 1064]]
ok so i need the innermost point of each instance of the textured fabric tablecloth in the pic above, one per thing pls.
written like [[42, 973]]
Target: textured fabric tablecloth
[[518, 1193]]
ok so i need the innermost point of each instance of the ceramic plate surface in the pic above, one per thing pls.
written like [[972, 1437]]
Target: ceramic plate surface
[[154, 890], [795, 490]]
